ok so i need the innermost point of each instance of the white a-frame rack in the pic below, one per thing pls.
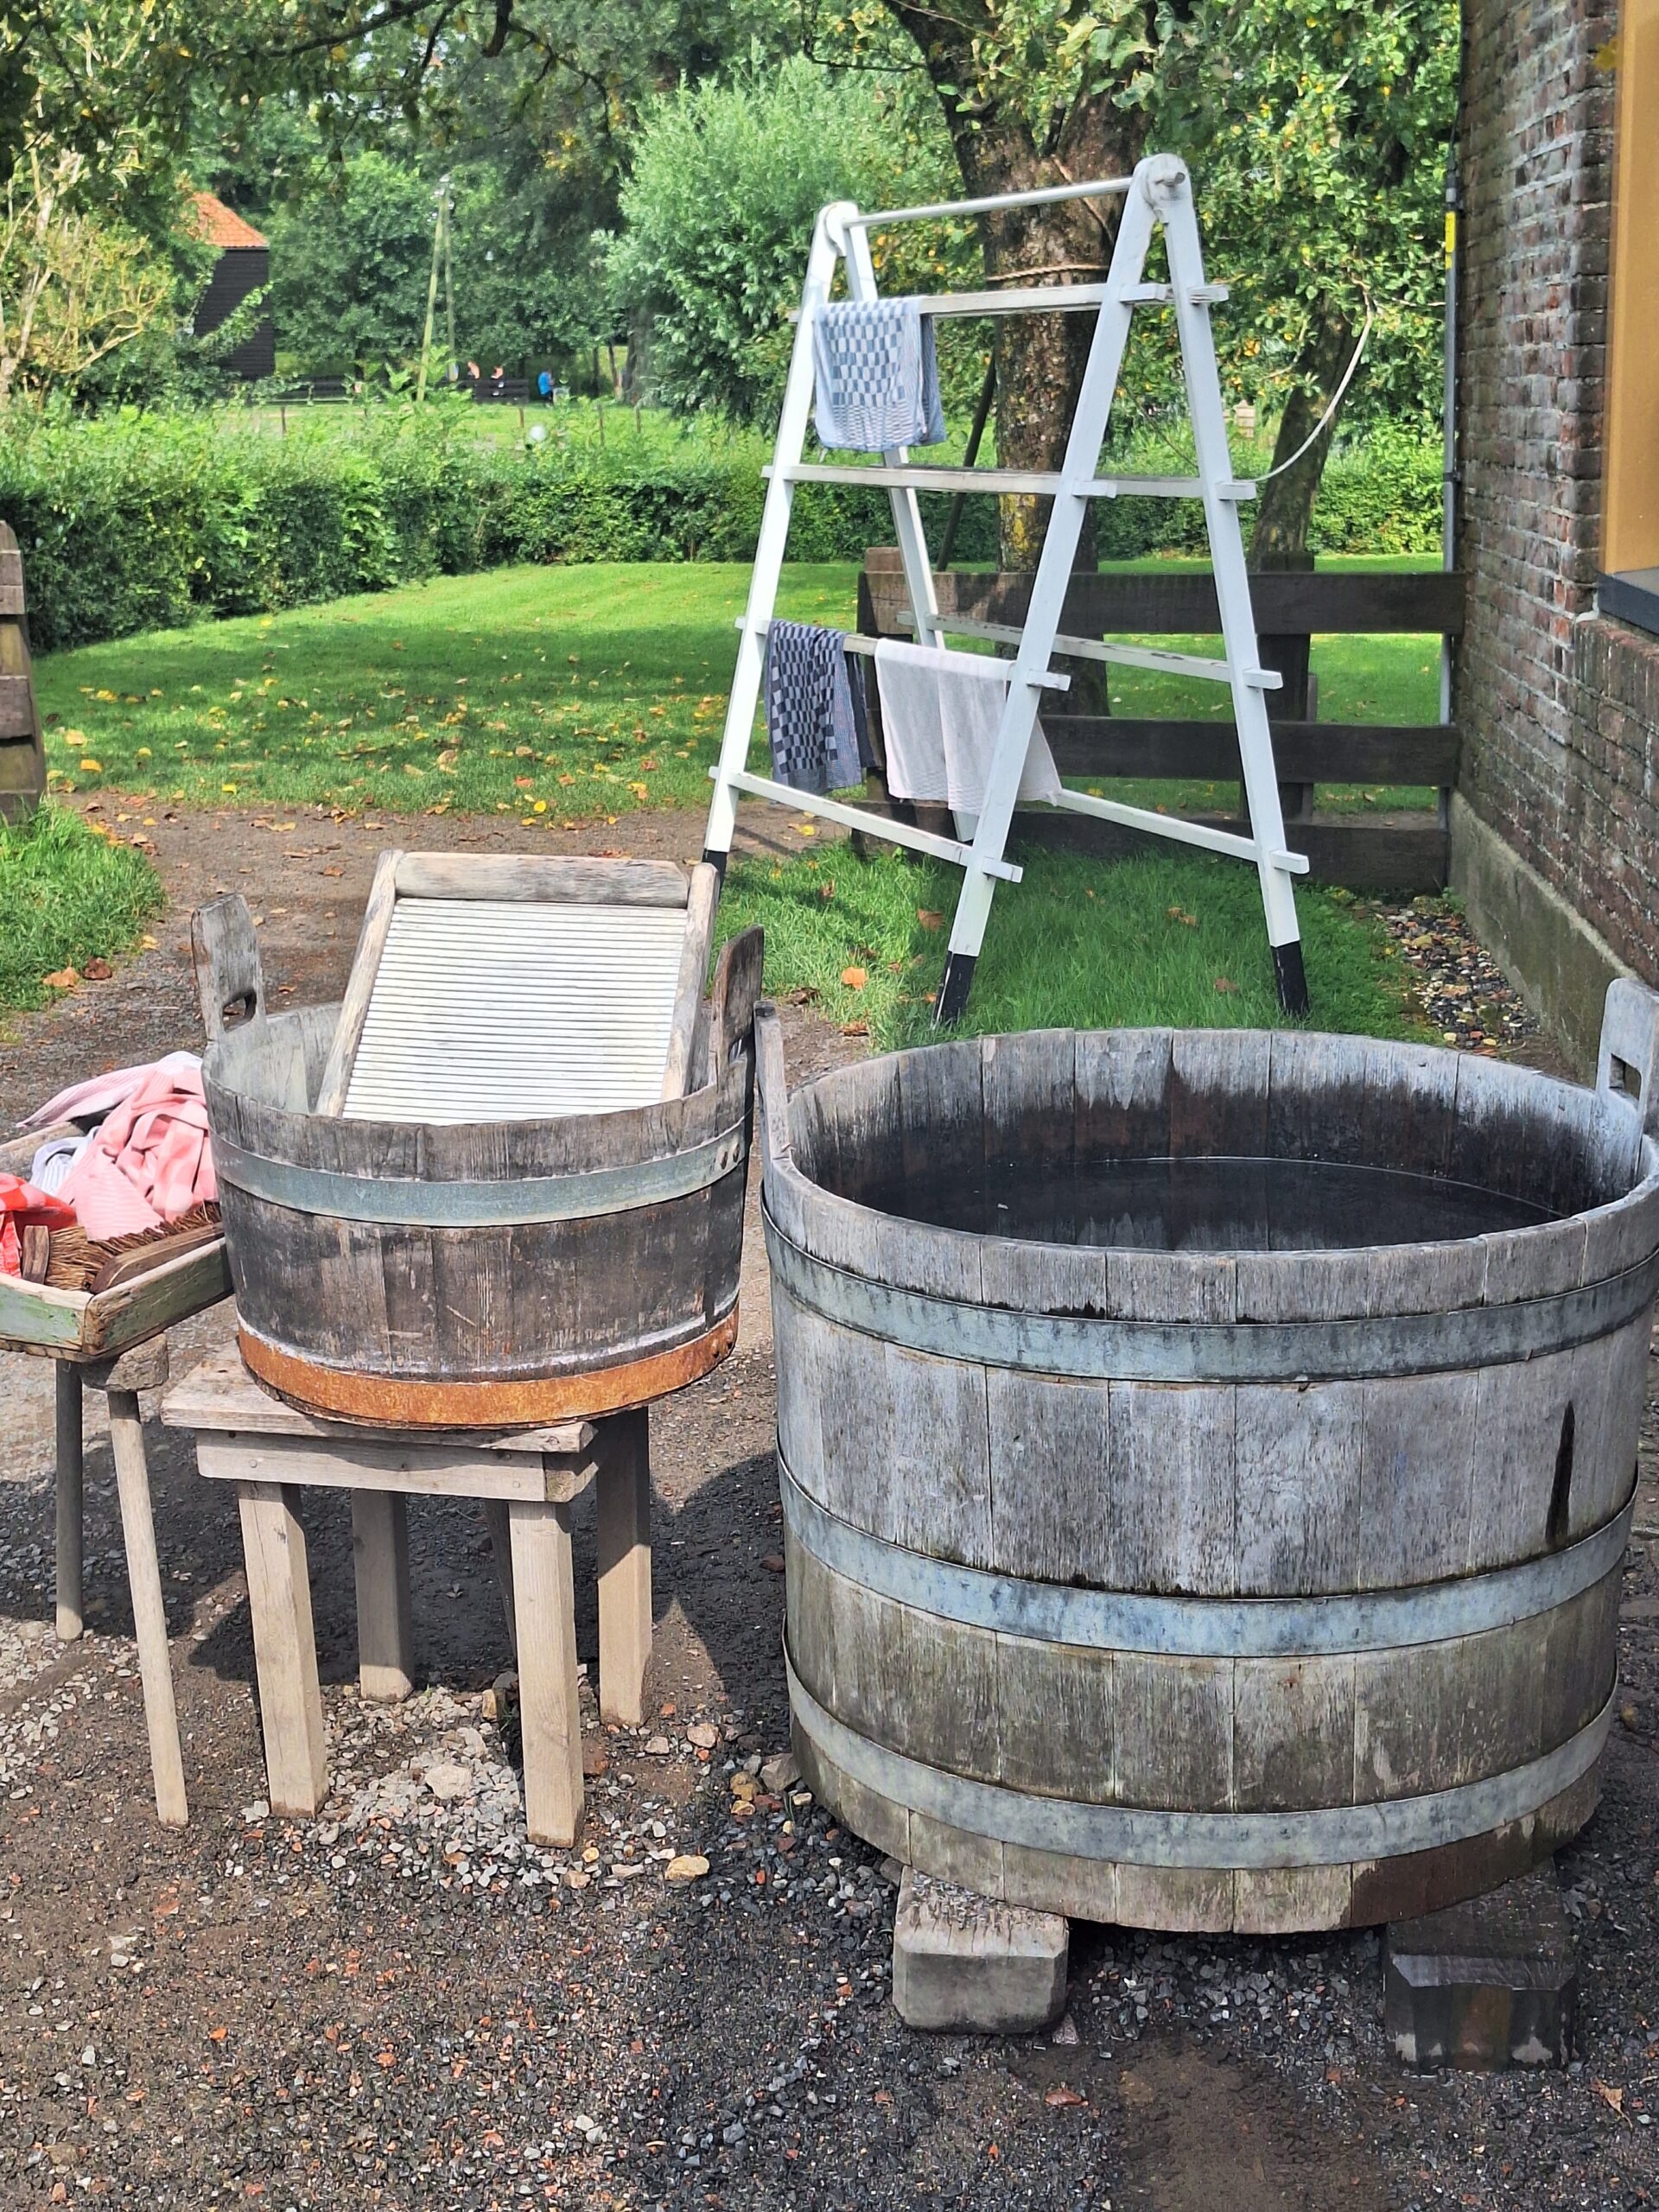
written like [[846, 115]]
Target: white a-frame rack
[[1160, 192]]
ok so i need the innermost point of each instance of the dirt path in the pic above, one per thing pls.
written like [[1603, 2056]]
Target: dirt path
[[404, 2005]]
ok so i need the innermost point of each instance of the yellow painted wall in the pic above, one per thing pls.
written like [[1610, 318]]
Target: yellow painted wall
[[1630, 527]]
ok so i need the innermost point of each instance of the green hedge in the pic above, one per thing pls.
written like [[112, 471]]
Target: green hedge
[[131, 524]]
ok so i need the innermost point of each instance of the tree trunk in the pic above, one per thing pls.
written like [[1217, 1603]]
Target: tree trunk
[[1039, 358], [1285, 506]]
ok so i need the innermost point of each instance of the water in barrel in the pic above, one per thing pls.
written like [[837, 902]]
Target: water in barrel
[[1205, 1206]]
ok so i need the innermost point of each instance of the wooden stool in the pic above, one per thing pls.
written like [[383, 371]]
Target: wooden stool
[[144, 1367], [526, 1480]]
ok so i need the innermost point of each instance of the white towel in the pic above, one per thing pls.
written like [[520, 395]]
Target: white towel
[[940, 721]]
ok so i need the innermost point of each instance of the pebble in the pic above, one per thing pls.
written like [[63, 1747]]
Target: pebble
[[703, 1734], [779, 1773], [447, 1782], [686, 1866]]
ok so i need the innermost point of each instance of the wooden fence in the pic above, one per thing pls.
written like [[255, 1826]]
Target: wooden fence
[[1401, 851], [22, 758]]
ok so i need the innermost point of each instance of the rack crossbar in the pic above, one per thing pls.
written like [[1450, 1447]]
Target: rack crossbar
[[1184, 833], [890, 831], [1047, 196], [944, 476], [1167, 662], [985, 665]]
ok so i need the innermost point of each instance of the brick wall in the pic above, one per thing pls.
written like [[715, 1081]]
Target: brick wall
[[1560, 708]]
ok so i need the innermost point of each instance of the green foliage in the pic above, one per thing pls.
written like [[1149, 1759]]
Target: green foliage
[[1319, 133], [68, 895], [726, 183], [1075, 944], [138, 522]]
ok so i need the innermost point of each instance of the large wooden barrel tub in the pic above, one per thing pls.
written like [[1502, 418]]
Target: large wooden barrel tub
[[1208, 1459], [502, 1273]]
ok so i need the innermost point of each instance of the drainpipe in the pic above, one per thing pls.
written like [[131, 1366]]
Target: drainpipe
[[1449, 431]]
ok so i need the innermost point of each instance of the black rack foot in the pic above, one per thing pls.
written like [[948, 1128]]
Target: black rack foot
[[1291, 976]]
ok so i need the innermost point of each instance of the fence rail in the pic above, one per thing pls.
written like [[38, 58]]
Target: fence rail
[[1404, 851]]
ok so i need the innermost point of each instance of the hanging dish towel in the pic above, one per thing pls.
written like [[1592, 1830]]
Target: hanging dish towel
[[812, 723], [940, 721], [877, 375]]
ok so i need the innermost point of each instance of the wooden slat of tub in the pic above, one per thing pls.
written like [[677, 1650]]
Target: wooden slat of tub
[[1431, 1716], [1423, 1881], [973, 1862], [1319, 1097], [1297, 1456], [1534, 1263], [1609, 1383], [800, 1376], [942, 1104], [858, 1450], [1123, 1094], [950, 1694], [1218, 1093], [1173, 1286], [1292, 1733], [1315, 1285], [1050, 1466], [1083, 1889], [1519, 1409], [871, 1134], [878, 1820], [938, 1456], [1576, 1676], [1030, 1101], [1416, 1478], [1173, 1503], [1058, 1724], [1174, 1732]]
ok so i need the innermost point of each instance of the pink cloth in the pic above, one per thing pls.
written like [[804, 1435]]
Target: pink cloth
[[87, 1101], [151, 1159]]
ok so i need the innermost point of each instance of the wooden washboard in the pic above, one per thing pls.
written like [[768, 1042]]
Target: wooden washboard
[[493, 987]]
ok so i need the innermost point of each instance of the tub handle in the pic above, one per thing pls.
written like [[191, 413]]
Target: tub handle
[[230, 979], [772, 1081], [1627, 1065]]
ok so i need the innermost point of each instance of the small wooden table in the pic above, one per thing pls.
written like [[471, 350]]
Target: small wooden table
[[526, 1481]]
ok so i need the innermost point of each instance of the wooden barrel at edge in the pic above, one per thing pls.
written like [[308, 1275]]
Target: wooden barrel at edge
[[1267, 1592], [22, 755], [530, 1271]]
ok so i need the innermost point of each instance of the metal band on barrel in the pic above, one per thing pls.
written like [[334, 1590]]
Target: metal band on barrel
[[1333, 1835], [503, 1203], [1128, 1350], [1203, 1628]]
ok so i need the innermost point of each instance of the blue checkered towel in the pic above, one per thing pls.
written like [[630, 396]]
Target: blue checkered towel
[[813, 719], [877, 375]]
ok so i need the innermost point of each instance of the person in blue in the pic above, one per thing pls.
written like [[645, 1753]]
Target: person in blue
[[544, 384]]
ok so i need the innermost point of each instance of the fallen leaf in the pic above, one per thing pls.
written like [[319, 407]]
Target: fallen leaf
[[1224, 984], [930, 918], [854, 978], [217, 2035], [62, 979], [333, 871], [98, 971], [1064, 2096], [772, 1563], [1612, 2098], [855, 1028]]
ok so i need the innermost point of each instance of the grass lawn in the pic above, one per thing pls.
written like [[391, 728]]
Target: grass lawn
[[68, 895], [559, 693], [1163, 937]]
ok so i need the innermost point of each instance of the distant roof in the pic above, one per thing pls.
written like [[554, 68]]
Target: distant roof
[[219, 226]]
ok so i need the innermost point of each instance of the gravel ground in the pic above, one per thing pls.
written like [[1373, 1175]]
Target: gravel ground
[[404, 2004]]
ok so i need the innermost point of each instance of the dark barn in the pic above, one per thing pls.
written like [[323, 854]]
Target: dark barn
[[244, 266]]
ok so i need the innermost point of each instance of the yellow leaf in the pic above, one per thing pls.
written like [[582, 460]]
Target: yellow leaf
[[854, 978], [63, 979], [91, 768]]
